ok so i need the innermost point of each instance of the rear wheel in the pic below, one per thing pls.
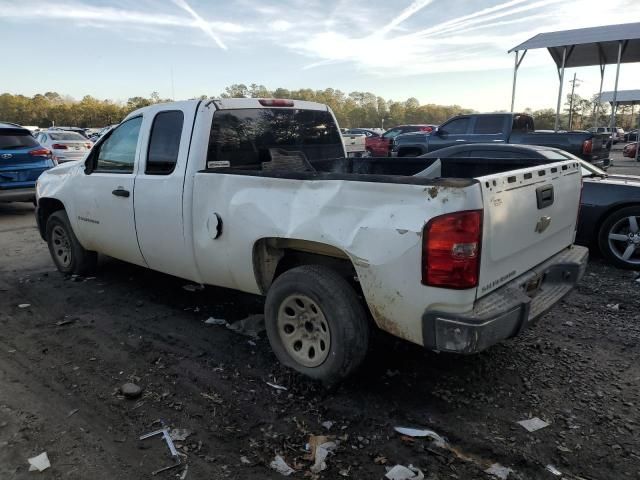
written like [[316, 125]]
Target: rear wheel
[[316, 323], [69, 256], [619, 238]]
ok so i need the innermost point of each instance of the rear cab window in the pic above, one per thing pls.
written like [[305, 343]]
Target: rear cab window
[[15, 139], [243, 137], [164, 143]]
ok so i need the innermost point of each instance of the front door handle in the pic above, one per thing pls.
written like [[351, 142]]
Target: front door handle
[[121, 192], [460, 140]]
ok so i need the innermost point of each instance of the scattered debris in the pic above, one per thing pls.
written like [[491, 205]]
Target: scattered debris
[[279, 465], [24, 305], [73, 412], [380, 460], [179, 434], [131, 390], [414, 432], [277, 387], [554, 470], [328, 424], [319, 446], [251, 326], [568, 323], [613, 306], [164, 431], [215, 321], [499, 471], [183, 475], [192, 287], [66, 321], [533, 424], [400, 472], [244, 460], [39, 462]]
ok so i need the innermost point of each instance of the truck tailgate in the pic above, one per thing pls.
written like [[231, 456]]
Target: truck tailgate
[[529, 215]]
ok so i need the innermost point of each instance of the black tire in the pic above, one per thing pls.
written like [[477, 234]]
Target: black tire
[[339, 307], [68, 255], [614, 249]]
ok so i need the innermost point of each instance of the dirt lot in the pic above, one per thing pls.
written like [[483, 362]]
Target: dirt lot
[[64, 356]]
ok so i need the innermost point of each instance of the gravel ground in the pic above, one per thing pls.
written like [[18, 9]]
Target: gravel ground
[[64, 357]]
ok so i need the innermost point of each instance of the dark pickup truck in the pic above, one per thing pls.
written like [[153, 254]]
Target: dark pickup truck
[[514, 128]]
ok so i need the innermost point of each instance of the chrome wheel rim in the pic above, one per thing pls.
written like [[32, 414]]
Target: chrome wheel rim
[[61, 246], [624, 240], [304, 330]]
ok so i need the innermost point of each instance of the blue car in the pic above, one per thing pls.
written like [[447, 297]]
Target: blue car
[[22, 160]]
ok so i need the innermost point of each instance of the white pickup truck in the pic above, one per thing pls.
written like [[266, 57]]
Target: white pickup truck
[[257, 195]]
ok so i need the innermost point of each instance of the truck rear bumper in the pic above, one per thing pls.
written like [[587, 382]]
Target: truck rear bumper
[[507, 311]]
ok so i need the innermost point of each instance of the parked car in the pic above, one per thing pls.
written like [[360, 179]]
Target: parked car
[[65, 145], [249, 194], [610, 207], [81, 131], [631, 135], [510, 128], [95, 136], [381, 146], [22, 160], [616, 134], [629, 150]]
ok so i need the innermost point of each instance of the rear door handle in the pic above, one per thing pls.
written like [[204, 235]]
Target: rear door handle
[[460, 140], [121, 192]]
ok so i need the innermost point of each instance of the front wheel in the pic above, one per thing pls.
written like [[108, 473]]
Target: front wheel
[[619, 238], [69, 256], [316, 323]]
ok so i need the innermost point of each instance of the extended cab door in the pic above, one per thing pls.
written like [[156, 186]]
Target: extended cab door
[[104, 196], [159, 189], [453, 132]]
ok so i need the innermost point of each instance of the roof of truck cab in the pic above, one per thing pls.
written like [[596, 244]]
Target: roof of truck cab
[[486, 146]]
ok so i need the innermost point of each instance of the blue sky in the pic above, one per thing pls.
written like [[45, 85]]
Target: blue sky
[[439, 51]]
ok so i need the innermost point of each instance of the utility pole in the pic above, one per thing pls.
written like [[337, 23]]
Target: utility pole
[[573, 88]]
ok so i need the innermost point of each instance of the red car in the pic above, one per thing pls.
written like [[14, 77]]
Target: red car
[[629, 150], [380, 146]]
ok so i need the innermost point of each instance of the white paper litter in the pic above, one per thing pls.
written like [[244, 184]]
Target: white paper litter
[[414, 432], [277, 387], [179, 434], [499, 471], [400, 472], [554, 470], [279, 465], [251, 326], [24, 305], [215, 321], [328, 424], [192, 288], [322, 451], [39, 463], [533, 424]]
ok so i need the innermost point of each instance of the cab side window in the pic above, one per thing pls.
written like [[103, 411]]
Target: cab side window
[[456, 127], [118, 152], [164, 143]]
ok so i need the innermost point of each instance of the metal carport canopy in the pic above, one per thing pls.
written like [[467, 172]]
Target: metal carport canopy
[[623, 97], [583, 47]]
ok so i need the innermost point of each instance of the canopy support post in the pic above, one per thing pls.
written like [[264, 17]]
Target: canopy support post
[[598, 103], [561, 74], [614, 103], [518, 61]]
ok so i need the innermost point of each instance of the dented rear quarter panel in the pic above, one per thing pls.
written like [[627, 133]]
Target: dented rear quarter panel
[[377, 225]]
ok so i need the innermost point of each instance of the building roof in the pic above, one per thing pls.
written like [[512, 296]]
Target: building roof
[[589, 46], [623, 97]]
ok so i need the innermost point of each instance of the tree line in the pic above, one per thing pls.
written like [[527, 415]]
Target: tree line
[[355, 109]]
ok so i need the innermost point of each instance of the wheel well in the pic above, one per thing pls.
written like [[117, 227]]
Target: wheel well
[[604, 217], [274, 256], [46, 206]]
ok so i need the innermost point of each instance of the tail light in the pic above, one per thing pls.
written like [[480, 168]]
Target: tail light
[[275, 102], [426, 129], [59, 146], [40, 152], [451, 250], [587, 147], [88, 146]]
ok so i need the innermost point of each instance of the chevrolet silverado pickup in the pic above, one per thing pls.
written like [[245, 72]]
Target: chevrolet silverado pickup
[[257, 195], [512, 128]]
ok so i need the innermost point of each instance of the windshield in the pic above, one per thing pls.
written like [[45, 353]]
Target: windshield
[[14, 139], [244, 136], [66, 136]]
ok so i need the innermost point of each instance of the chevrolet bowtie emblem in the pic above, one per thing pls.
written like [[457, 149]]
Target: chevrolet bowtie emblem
[[542, 224]]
